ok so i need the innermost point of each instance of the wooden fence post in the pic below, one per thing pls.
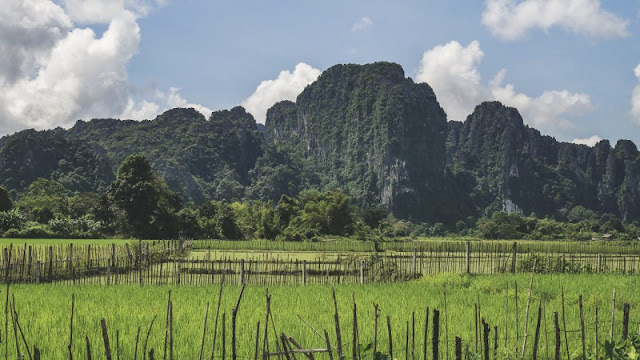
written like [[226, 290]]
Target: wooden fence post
[[584, 347], [435, 340], [458, 348], [485, 340], [625, 322], [241, 271], [613, 313], [536, 339], [513, 259], [556, 326], [468, 257], [361, 271], [414, 267], [50, 263], [178, 272], [38, 272], [304, 272]]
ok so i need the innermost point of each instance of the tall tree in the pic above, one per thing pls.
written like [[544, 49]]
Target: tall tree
[[5, 200], [135, 191]]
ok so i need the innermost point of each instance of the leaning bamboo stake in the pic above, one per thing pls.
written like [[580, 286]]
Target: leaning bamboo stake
[[564, 324], [255, 357], [390, 338], [485, 340], [73, 302], [337, 321], [7, 257], [584, 347], [204, 331], [329, 346], [234, 316], [517, 321], [170, 330], [596, 331], [526, 316], [24, 340], [376, 314], [146, 340], [556, 328], [215, 322], [506, 315], [86, 338], [135, 352], [15, 331], [314, 330], [354, 349], [544, 319], [446, 325], [166, 328], [224, 335], [613, 313], [435, 340], [265, 342], [426, 334], [105, 338], [536, 339]]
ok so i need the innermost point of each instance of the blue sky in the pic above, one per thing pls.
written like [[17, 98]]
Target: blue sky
[[567, 65]]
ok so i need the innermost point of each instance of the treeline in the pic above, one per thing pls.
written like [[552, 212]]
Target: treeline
[[140, 204]]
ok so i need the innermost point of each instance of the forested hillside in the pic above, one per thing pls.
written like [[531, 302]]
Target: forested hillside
[[364, 129]]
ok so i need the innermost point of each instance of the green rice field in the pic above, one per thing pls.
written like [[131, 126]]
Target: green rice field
[[45, 310]]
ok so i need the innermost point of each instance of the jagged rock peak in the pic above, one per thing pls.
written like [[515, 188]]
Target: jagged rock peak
[[178, 115]]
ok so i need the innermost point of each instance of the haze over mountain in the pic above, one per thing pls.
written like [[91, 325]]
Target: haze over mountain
[[365, 129]]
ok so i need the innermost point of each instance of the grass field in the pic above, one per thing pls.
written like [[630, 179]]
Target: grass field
[[44, 312]]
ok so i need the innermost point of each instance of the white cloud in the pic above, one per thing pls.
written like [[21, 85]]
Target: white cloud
[[174, 99], [635, 98], [546, 111], [28, 31], [56, 72], [510, 20], [451, 70], [287, 86], [102, 11], [362, 24], [590, 141]]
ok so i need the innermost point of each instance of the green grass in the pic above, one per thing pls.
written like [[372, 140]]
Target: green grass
[[44, 311]]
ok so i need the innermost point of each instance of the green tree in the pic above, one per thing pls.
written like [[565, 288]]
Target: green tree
[[5, 200], [148, 203], [44, 200]]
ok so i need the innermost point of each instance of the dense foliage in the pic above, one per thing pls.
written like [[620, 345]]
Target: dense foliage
[[367, 130], [140, 204]]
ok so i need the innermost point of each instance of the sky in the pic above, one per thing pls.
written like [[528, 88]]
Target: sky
[[571, 67]]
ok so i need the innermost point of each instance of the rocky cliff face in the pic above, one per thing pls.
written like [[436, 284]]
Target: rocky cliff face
[[510, 166], [29, 154], [200, 159], [372, 132], [365, 129]]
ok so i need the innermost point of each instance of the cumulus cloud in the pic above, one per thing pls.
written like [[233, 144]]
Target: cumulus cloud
[[510, 20], [57, 72], [590, 141], [635, 98], [452, 71], [287, 86], [362, 24]]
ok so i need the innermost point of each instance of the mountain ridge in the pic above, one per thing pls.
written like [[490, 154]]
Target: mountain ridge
[[366, 129]]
